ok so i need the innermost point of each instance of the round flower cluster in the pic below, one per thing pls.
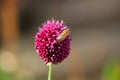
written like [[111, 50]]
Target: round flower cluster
[[52, 41]]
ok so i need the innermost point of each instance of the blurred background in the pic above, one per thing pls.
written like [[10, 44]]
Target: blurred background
[[95, 48]]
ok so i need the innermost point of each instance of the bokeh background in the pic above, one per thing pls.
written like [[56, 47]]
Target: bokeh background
[[95, 47]]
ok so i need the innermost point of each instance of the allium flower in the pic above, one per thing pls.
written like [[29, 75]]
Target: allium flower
[[52, 42]]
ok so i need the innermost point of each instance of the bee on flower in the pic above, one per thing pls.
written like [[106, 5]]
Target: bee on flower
[[63, 35]]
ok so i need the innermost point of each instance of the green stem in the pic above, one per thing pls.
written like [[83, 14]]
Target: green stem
[[50, 71]]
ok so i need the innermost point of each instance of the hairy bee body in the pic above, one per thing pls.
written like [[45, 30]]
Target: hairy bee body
[[63, 35]]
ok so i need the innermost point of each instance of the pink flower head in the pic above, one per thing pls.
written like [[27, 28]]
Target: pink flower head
[[52, 41]]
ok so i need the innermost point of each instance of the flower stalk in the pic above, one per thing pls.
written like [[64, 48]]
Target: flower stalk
[[50, 71]]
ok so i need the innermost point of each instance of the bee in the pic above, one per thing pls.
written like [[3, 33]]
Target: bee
[[63, 35]]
